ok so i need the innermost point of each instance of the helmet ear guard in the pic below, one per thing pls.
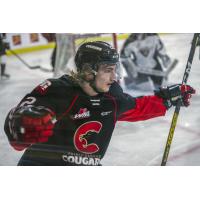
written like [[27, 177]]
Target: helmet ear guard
[[87, 73]]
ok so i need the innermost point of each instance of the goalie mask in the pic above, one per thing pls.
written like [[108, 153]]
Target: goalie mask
[[92, 54]]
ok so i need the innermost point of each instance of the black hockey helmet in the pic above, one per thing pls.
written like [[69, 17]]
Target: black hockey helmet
[[95, 53]]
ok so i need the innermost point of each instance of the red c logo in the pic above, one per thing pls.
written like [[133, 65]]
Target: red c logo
[[81, 143]]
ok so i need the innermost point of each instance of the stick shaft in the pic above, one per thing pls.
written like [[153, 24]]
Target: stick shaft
[[24, 62], [177, 108]]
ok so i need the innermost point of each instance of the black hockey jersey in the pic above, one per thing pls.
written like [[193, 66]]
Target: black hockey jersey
[[84, 124]]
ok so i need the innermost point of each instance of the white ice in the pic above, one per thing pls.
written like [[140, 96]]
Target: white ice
[[139, 143]]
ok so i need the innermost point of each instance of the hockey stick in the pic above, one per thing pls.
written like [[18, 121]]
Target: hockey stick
[[25, 63], [177, 108]]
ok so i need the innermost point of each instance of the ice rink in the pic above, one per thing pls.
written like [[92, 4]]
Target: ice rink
[[134, 144]]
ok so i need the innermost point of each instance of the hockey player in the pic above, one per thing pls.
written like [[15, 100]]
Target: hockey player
[[3, 46], [70, 120], [144, 59]]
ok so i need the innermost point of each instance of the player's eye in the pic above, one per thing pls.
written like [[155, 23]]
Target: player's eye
[[108, 70]]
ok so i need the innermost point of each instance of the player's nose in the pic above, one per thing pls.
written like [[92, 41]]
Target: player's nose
[[113, 76]]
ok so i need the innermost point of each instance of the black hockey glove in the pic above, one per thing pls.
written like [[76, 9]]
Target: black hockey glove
[[31, 124], [172, 94]]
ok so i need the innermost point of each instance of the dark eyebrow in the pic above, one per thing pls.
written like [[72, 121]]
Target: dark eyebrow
[[109, 68]]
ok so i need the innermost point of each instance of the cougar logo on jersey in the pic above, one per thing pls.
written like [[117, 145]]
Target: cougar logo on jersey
[[83, 113], [42, 88], [83, 134]]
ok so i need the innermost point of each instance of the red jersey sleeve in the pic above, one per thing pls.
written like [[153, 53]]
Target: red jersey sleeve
[[146, 107]]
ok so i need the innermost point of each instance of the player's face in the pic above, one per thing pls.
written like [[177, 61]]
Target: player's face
[[106, 75]]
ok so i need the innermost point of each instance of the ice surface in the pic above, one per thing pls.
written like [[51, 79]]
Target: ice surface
[[140, 143]]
